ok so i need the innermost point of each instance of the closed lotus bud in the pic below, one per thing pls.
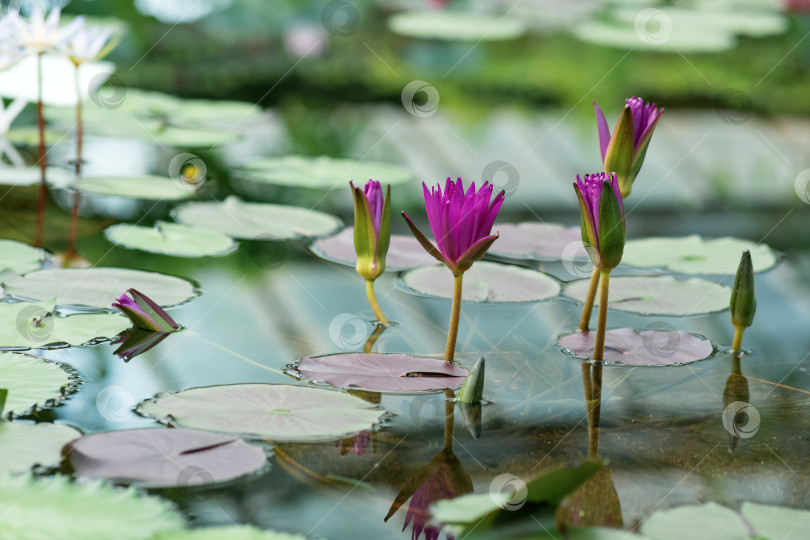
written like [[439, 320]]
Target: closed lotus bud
[[144, 312], [603, 228], [372, 228], [743, 303]]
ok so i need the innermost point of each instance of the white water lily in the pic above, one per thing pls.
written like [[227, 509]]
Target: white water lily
[[88, 44], [40, 32]]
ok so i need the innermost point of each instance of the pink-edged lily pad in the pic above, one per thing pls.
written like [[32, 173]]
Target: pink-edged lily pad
[[404, 252], [652, 347], [160, 457], [539, 242], [382, 372]]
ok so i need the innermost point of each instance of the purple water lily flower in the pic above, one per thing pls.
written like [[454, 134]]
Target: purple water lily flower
[[624, 150], [461, 223], [603, 227], [144, 312], [372, 228]]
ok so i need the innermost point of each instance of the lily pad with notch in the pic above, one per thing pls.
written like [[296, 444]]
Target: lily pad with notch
[[19, 257], [277, 412], [395, 373], [322, 172], [33, 382], [486, 282], [25, 445], [404, 252], [171, 239]]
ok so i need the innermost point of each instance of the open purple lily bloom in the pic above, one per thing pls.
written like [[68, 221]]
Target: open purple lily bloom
[[461, 223], [144, 312]]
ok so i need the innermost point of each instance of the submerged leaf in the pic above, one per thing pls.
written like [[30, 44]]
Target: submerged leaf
[[24, 445], [32, 382]]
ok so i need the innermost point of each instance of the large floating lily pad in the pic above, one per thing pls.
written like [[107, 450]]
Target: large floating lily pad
[[485, 282], [96, 287], [244, 220], [32, 382], [404, 252], [171, 239], [56, 509], [30, 175], [659, 295], [323, 172], [19, 257], [777, 522], [24, 445], [278, 412], [152, 188], [696, 255], [651, 347], [164, 457], [25, 325], [455, 26], [539, 242], [235, 532], [382, 372], [709, 520]]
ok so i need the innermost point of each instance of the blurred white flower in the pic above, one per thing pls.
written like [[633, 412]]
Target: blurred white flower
[[40, 32], [10, 52], [302, 40], [88, 44]]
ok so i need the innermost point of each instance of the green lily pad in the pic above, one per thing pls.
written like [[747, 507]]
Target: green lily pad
[[777, 522], [455, 26], [19, 257], [24, 445], [171, 239], [96, 287], [30, 175], [323, 172], [151, 188], [277, 412], [697, 255], [709, 520], [32, 382], [56, 509], [235, 532], [244, 220], [666, 39], [659, 295], [486, 282]]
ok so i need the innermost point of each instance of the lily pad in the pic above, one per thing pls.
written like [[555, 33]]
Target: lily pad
[[323, 172], [400, 373], [151, 188], [235, 532], [164, 457], [539, 242], [659, 295], [32, 382], [30, 175], [278, 412], [25, 445], [96, 287], [19, 257], [708, 520], [485, 282], [628, 347], [455, 26], [56, 509], [777, 522], [696, 255], [404, 252], [244, 220], [171, 239], [657, 36]]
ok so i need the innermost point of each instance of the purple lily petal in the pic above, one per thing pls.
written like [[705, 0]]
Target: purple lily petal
[[644, 117], [604, 130], [374, 194]]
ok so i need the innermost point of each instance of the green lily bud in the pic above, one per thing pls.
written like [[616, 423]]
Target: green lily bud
[[472, 390], [372, 228], [743, 303], [603, 228]]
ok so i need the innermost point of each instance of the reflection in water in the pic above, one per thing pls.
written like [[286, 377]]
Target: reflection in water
[[442, 478], [736, 406], [375, 335], [137, 341], [357, 444]]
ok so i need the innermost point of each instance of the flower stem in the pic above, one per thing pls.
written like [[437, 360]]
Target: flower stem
[[375, 307], [449, 419], [372, 339], [452, 332], [601, 324], [595, 406], [737, 343], [42, 199], [74, 215], [588, 307]]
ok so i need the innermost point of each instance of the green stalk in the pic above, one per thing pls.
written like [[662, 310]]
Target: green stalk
[[74, 215], [587, 309], [452, 332], [736, 345], [449, 419], [375, 307], [42, 199], [599, 345]]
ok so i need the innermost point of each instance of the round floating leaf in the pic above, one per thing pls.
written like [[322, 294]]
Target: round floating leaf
[[56, 509], [652, 347], [381, 372], [709, 520], [455, 26], [659, 295], [404, 252], [191, 137], [25, 325], [171, 239], [96, 287], [777, 522], [164, 457], [323, 172], [236, 532], [696, 255], [485, 282], [278, 412], [248, 221], [19, 257], [153, 188], [665, 39], [539, 242], [25, 445], [29, 176], [32, 382]]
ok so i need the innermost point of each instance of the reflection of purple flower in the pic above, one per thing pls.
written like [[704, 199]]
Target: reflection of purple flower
[[137, 341], [357, 444], [435, 488]]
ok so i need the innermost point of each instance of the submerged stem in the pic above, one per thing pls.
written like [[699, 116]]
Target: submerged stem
[[375, 307], [595, 407], [452, 332], [736, 345], [449, 419], [601, 324], [372, 339], [587, 309], [74, 215], [42, 199]]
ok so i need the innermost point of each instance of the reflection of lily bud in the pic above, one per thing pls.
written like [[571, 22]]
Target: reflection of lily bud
[[595, 504], [137, 341], [357, 444], [736, 390], [442, 478]]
